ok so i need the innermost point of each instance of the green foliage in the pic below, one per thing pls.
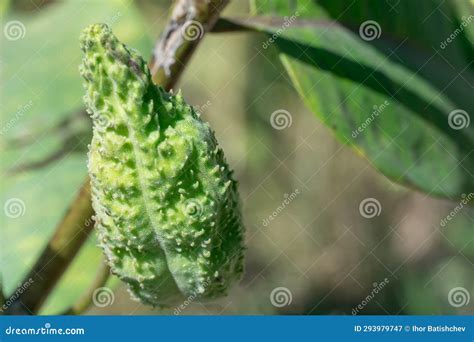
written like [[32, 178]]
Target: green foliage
[[387, 98], [166, 205], [43, 160]]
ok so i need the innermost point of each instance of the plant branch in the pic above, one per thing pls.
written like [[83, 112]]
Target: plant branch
[[170, 56], [86, 299], [189, 21], [61, 249]]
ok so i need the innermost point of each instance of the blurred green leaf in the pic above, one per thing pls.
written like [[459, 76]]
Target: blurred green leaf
[[40, 58], [457, 233], [40, 89], [389, 95], [423, 292]]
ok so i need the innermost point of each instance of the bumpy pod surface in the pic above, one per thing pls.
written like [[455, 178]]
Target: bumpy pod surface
[[167, 208]]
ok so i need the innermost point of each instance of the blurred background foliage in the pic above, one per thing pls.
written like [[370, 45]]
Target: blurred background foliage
[[319, 246]]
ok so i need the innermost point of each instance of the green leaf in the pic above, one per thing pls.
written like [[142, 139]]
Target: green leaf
[[386, 98], [41, 67], [40, 89], [439, 289]]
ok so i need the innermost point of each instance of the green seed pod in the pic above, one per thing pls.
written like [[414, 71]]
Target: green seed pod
[[167, 208]]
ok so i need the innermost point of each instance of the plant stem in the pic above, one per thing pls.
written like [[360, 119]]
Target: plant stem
[[170, 56], [189, 21], [61, 249]]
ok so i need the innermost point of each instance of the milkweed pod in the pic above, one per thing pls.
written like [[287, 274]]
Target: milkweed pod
[[167, 207]]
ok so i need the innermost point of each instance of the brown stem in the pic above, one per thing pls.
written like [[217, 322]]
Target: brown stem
[[189, 21], [86, 299], [61, 249], [170, 55]]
